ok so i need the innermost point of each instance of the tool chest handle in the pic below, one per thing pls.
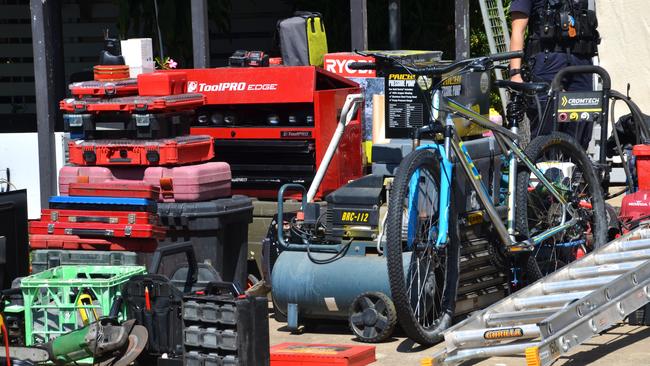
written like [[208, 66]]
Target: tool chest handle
[[93, 232], [102, 220]]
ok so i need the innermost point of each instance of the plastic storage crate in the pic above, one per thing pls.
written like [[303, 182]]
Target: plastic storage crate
[[51, 298], [47, 258], [218, 230]]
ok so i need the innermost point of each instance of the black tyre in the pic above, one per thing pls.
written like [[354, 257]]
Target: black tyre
[[423, 279], [372, 317], [537, 210]]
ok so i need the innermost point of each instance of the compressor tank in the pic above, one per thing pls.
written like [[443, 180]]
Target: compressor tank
[[326, 291]]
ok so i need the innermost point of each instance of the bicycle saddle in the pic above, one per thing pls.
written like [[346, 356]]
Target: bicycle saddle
[[522, 87]]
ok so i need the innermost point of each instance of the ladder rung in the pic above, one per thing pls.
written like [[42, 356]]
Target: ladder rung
[[460, 338], [548, 300], [576, 285], [634, 244], [504, 350], [619, 257], [602, 270], [519, 317]]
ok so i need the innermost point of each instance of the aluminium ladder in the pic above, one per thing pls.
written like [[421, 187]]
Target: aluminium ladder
[[498, 36], [560, 311]]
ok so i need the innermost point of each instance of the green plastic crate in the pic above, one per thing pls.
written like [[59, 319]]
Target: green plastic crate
[[51, 297]]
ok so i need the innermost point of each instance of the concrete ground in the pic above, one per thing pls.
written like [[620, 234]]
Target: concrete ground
[[621, 345]]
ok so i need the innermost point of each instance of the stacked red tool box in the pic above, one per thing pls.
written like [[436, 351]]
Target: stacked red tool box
[[131, 150]]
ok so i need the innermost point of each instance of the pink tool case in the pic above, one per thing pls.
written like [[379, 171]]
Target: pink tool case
[[190, 183]]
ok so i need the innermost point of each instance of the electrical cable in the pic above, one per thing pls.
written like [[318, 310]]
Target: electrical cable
[[626, 168], [160, 41], [5, 336]]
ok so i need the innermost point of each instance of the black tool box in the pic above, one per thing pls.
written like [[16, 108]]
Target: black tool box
[[218, 230]]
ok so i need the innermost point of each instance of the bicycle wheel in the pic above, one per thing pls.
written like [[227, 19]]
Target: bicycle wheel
[[423, 279], [570, 171]]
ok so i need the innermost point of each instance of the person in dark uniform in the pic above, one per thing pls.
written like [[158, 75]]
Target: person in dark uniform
[[561, 33]]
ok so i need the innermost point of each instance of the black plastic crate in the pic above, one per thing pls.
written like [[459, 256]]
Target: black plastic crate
[[239, 338], [218, 230]]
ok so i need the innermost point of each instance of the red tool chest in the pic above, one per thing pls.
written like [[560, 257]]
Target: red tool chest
[[162, 83], [177, 151], [97, 229], [273, 125], [99, 217], [120, 189], [137, 104], [73, 242], [98, 88]]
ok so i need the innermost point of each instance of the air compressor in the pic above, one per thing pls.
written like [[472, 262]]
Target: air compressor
[[326, 258]]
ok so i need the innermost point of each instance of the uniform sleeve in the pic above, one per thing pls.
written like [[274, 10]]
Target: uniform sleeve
[[521, 6]]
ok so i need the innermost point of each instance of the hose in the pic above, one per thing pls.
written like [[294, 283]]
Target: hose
[[5, 335]]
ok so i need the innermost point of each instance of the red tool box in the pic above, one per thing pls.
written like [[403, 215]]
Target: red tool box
[[98, 88], [273, 125], [121, 189], [188, 183], [73, 242], [133, 104], [101, 217], [305, 354], [177, 151], [97, 229], [162, 83]]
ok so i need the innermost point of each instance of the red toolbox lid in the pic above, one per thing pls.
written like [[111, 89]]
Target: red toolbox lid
[[294, 354], [641, 150]]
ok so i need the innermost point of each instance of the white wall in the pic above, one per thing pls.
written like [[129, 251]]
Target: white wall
[[19, 154], [624, 26]]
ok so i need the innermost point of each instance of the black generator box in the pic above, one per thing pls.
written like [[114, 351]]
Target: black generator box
[[353, 210]]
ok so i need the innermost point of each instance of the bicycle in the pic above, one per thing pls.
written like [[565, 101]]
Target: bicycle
[[547, 218]]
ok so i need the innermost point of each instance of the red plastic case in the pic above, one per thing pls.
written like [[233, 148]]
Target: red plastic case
[[177, 151], [162, 83], [122, 189], [140, 104], [99, 217], [305, 354], [98, 88], [73, 242], [96, 230]]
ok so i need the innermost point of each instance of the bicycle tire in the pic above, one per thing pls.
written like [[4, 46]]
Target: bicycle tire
[[597, 224], [441, 320]]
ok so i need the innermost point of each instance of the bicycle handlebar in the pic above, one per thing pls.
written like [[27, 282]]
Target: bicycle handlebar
[[483, 62]]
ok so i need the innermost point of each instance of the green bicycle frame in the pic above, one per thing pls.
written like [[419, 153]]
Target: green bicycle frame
[[506, 140]]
